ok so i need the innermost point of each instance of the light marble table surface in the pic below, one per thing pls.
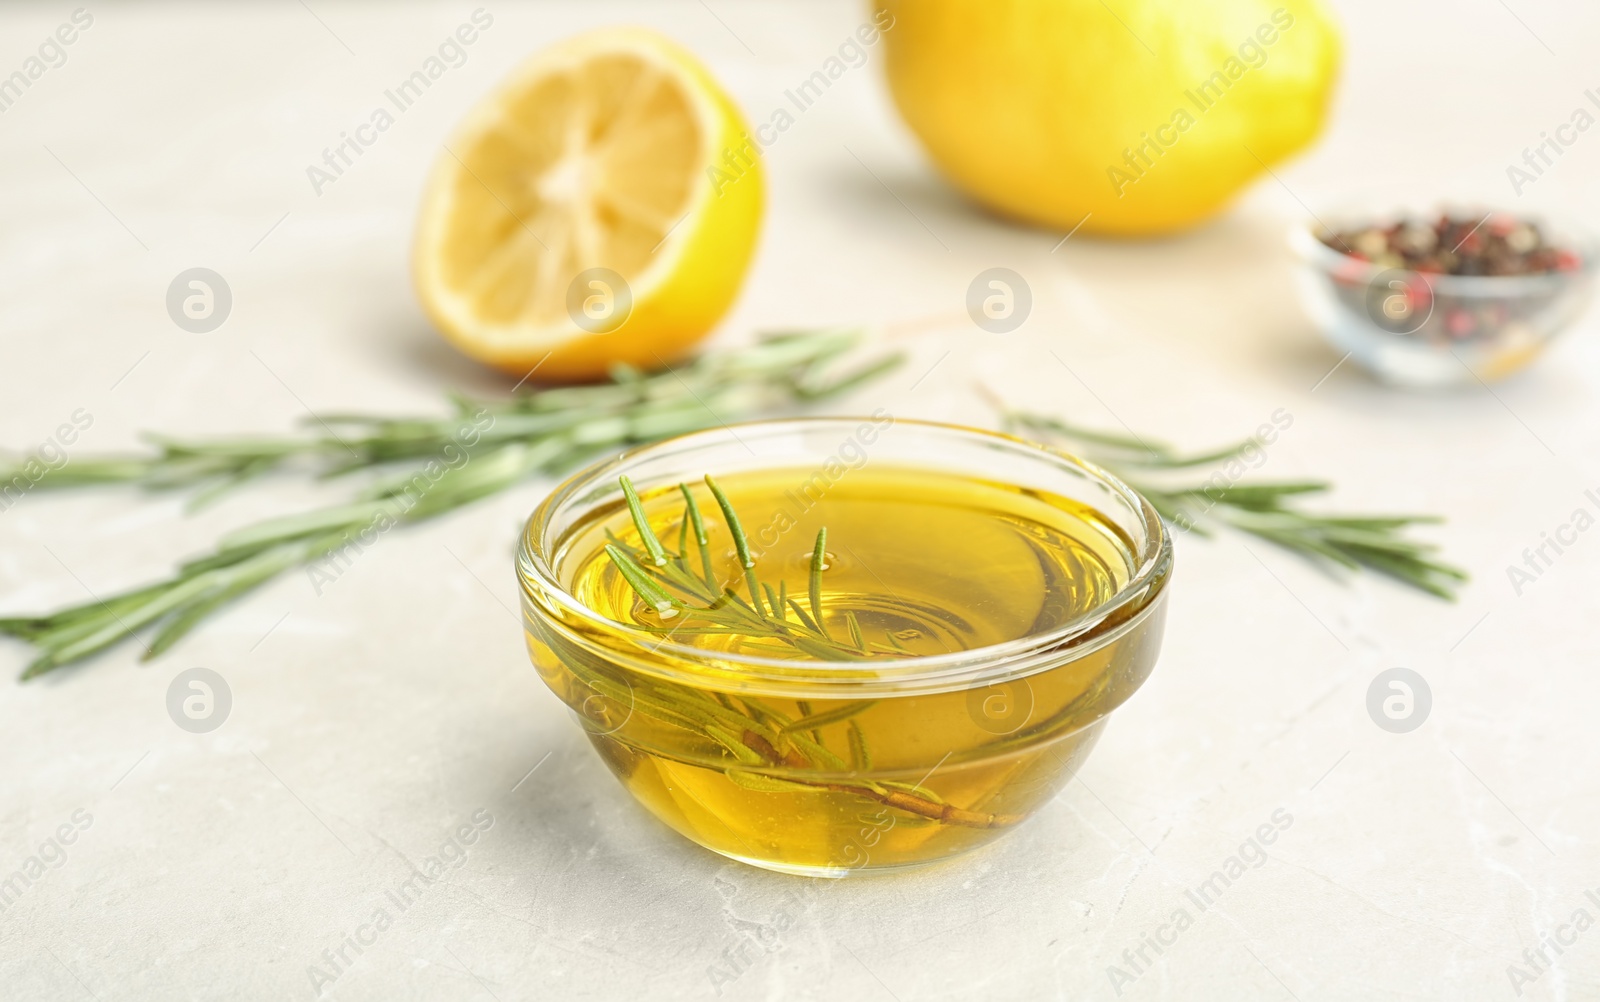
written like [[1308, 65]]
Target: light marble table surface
[[371, 721]]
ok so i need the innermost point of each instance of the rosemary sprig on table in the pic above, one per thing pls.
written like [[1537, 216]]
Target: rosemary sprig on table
[[632, 407], [1265, 510], [483, 448], [674, 588]]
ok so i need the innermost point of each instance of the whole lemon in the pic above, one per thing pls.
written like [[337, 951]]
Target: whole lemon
[[1125, 116]]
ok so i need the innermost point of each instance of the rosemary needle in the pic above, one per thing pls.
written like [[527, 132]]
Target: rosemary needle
[[652, 545], [701, 540], [819, 554], [741, 545]]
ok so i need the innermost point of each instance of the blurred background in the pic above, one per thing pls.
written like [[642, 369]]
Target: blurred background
[[371, 718]]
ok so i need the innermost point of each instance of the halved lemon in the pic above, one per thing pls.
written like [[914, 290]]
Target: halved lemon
[[601, 206]]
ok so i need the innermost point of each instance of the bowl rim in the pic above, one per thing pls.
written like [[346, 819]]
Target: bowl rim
[[1304, 242], [647, 652]]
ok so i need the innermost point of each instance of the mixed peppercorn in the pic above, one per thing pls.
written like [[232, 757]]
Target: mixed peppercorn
[[1402, 298], [1496, 244]]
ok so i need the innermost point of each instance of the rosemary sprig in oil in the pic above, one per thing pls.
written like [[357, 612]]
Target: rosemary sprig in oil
[[1264, 510], [765, 749], [675, 587]]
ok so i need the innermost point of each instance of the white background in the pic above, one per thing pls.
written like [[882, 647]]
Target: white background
[[368, 722]]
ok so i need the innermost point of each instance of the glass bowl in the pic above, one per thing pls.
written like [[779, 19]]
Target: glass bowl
[[965, 744], [1434, 330]]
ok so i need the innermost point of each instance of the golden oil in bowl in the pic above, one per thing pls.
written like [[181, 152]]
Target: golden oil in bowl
[[919, 684]]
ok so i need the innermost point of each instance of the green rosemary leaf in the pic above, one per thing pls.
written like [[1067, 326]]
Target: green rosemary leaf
[[860, 758], [1367, 539], [833, 716], [816, 753], [672, 573], [741, 545], [646, 702], [763, 712], [1383, 522], [804, 706], [642, 585], [697, 706], [740, 751], [30, 626], [178, 595], [1307, 546], [700, 537], [855, 631], [731, 598], [701, 540], [22, 627], [647, 535], [1437, 579], [819, 554], [1255, 497], [244, 580], [799, 613]]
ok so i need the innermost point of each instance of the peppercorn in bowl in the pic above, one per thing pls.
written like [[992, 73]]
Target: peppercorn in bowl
[[1451, 298]]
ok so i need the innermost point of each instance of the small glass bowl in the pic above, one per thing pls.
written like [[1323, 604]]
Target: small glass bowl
[[1429, 330], [984, 737]]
